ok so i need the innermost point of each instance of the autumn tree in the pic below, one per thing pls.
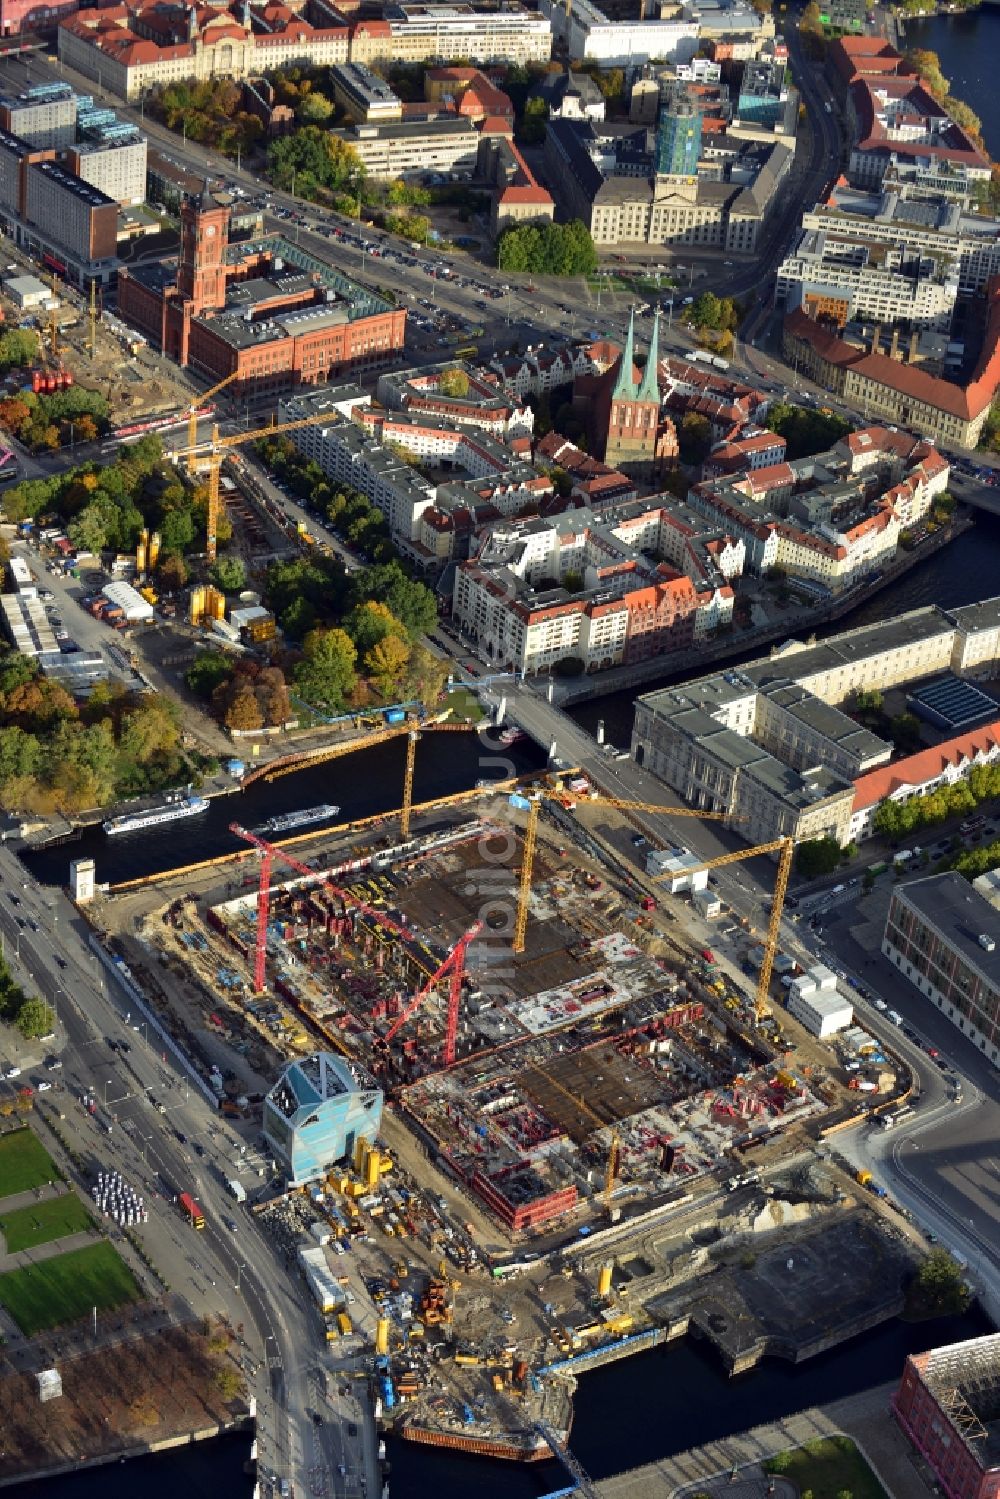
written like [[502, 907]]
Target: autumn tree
[[386, 662], [326, 673], [243, 713]]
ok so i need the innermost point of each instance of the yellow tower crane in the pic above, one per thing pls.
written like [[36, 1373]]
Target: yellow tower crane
[[214, 451], [192, 417], [531, 837], [92, 321], [784, 848], [411, 762]]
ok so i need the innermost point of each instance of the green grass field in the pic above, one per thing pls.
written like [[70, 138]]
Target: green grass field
[[65, 1288], [828, 1467], [24, 1163], [55, 1218]]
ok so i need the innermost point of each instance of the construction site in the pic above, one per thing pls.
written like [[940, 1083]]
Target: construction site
[[596, 1072], [81, 342], [595, 1137]]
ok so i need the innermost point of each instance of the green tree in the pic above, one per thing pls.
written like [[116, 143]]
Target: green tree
[[312, 160], [534, 121], [411, 602], [694, 437], [548, 249], [206, 672], [817, 857], [386, 663], [315, 109], [370, 622], [229, 574], [18, 347], [325, 676], [453, 382], [34, 1019]]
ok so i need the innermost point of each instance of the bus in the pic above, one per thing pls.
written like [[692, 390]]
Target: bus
[[467, 351], [890, 1120]]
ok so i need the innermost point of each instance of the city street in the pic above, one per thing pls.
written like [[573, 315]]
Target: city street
[[238, 1275]]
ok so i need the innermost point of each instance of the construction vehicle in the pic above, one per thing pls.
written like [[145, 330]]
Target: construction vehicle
[[862, 1177]]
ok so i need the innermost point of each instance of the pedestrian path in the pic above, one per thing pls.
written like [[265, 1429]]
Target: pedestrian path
[[866, 1418]]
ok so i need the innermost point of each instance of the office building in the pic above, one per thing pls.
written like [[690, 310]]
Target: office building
[[905, 210], [113, 161], [943, 936], [947, 1404], [315, 1113], [477, 31], [261, 308], [84, 218], [613, 184], [678, 134], [590, 35], [363, 95], [767, 742], [843, 277]]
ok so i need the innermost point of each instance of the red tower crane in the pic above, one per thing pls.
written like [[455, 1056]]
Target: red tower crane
[[453, 965]]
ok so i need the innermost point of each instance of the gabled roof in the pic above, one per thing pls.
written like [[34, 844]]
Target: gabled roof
[[928, 765]]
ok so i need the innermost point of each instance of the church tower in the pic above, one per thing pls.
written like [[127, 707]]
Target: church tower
[[634, 410], [201, 269]]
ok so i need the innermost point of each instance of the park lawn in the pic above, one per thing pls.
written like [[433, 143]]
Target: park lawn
[[828, 1466], [66, 1287], [42, 1222], [24, 1163], [464, 704]]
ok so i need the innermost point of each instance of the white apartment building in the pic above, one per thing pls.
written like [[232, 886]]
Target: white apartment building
[[118, 168], [928, 223], [877, 280], [432, 32], [401, 149]]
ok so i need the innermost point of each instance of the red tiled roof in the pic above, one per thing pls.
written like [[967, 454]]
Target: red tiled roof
[[928, 765], [965, 403]]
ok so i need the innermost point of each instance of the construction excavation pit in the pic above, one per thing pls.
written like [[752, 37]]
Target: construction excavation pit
[[593, 1074]]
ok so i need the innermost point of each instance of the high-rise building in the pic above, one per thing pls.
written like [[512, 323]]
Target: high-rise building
[[316, 1111], [678, 135]]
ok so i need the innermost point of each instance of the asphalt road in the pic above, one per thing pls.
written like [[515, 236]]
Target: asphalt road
[[942, 1162], [239, 1274]]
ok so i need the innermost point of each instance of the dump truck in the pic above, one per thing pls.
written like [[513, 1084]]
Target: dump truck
[[862, 1178]]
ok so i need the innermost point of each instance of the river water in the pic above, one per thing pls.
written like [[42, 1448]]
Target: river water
[[968, 47], [362, 784]]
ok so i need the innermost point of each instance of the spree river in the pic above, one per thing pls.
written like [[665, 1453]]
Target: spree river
[[969, 47]]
